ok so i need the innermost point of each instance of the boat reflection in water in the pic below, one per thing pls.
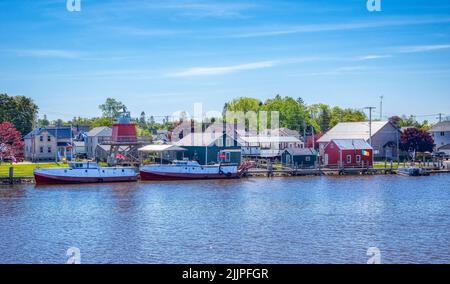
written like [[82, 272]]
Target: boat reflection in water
[[84, 172], [413, 171]]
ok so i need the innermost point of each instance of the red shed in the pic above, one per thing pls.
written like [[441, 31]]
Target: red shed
[[348, 153]]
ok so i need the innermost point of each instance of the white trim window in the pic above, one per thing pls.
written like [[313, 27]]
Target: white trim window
[[358, 159], [349, 159]]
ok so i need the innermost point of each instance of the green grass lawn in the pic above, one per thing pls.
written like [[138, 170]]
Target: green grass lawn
[[26, 170]]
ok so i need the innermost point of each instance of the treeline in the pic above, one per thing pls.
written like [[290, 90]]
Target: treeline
[[296, 115], [110, 111]]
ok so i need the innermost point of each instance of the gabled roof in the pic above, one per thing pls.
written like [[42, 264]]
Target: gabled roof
[[62, 132], [285, 132], [353, 130], [161, 148], [100, 131], [200, 139], [443, 126], [352, 144], [270, 139], [445, 147], [301, 151]]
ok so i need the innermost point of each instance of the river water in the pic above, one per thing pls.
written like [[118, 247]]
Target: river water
[[254, 220]]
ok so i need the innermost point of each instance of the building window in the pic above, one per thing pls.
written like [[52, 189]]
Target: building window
[[349, 159], [227, 157], [358, 158], [307, 158], [41, 149], [41, 138], [49, 149], [49, 138], [442, 133]]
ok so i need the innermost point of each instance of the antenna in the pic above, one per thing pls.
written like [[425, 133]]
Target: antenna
[[370, 123], [381, 107]]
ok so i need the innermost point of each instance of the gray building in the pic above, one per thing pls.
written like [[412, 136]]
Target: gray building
[[95, 137], [384, 140]]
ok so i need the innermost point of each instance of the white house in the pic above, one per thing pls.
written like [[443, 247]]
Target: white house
[[441, 136], [384, 140], [48, 143]]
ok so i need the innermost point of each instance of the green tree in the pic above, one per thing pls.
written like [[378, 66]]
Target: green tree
[[142, 122], [320, 117], [101, 121], [346, 115], [111, 108], [44, 121], [19, 110], [292, 113], [244, 104]]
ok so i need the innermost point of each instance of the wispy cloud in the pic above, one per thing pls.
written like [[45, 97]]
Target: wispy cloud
[[206, 71], [54, 53], [315, 28], [422, 48], [374, 56], [207, 8]]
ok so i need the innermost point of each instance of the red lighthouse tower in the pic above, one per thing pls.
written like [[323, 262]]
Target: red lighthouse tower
[[124, 131], [125, 142]]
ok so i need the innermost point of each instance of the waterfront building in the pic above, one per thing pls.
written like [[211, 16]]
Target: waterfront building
[[208, 148], [441, 136], [95, 137], [299, 157], [48, 143], [348, 153], [384, 140], [269, 146]]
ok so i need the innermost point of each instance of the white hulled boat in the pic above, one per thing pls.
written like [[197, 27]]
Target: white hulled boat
[[185, 170], [84, 172]]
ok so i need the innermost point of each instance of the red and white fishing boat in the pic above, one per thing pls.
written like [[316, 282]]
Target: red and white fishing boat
[[84, 172], [185, 170]]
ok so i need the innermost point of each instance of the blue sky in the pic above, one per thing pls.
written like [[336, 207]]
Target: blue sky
[[164, 56]]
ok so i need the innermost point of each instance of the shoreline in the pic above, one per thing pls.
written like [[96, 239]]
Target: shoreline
[[261, 173]]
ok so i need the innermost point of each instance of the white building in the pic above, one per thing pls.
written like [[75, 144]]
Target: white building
[[268, 146], [48, 143], [441, 136]]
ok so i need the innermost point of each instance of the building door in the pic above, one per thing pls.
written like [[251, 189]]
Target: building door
[[325, 160], [288, 159]]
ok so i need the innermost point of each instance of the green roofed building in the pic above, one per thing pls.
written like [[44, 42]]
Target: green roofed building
[[299, 157], [210, 148]]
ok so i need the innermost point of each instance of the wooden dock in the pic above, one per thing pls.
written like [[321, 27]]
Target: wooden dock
[[317, 172], [16, 180]]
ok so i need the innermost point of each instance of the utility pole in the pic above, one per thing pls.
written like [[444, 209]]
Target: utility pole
[[440, 117], [381, 107], [370, 123]]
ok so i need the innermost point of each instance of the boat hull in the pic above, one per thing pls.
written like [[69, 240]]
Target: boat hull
[[41, 178], [159, 176]]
